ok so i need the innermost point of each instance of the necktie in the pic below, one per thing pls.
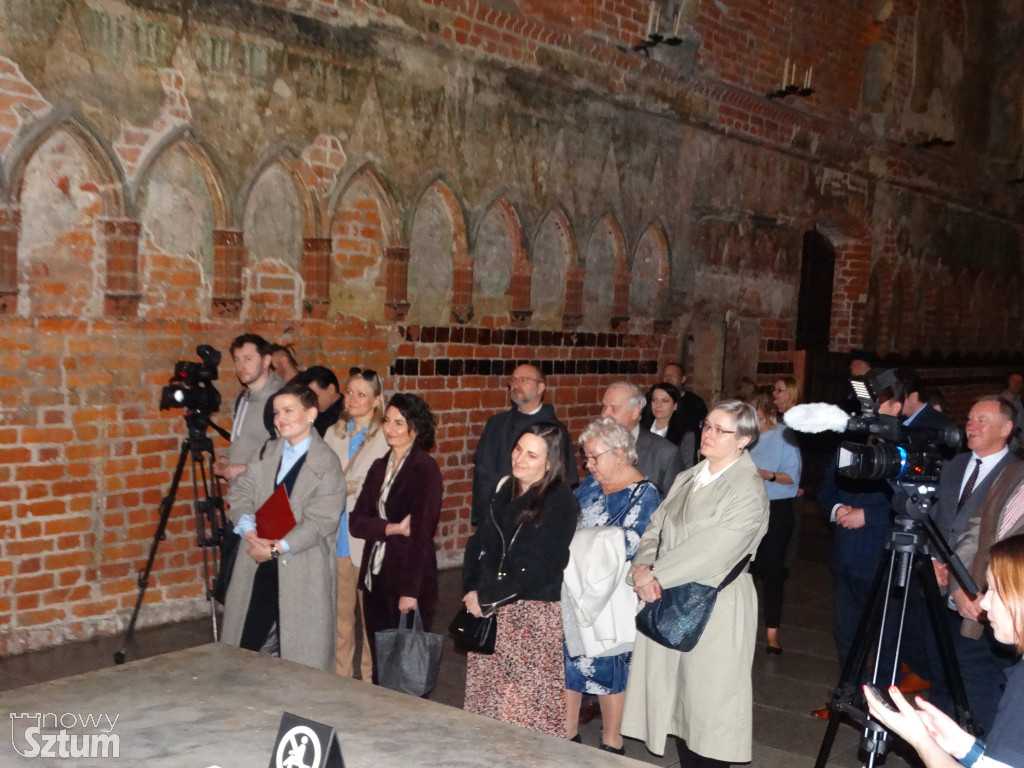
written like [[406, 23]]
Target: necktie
[[969, 488], [1012, 513]]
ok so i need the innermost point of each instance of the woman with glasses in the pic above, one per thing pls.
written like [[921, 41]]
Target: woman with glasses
[[396, 514], [616, 495], [359, 441], [513, 567], [777, 458], [712, 519]]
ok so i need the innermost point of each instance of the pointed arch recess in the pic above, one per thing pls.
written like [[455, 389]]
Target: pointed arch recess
[[556, 285], [364, 225]]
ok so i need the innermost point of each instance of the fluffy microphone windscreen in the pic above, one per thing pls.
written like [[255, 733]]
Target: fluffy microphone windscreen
[[816, 417]]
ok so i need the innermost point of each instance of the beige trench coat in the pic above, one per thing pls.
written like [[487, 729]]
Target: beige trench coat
[[374, 448], [307, 574], [705, 696]]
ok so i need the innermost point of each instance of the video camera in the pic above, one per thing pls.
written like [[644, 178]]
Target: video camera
[[191, 387], [902, 454]]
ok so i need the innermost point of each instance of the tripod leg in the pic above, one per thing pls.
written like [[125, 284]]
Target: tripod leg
[[853, 670], [143, 580]]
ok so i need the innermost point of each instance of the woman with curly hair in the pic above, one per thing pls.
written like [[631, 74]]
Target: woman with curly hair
[[397, 513]]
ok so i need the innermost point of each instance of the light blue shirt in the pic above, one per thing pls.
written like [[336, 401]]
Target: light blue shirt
[[776, 451], [354, 442], [290, 455]]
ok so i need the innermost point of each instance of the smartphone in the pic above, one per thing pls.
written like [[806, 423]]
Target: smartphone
[[882, 696]]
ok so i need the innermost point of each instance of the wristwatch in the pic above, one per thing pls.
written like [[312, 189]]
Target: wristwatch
[[274, 552], [772, 478]]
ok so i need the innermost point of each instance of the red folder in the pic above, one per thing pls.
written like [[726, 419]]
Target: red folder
[[274, 519]]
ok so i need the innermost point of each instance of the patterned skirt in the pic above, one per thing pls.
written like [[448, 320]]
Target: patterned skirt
[[523, 682]]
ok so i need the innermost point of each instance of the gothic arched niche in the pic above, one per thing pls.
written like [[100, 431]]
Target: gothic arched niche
[[553, 251], [363, 227], [494, 256], [176, 207], [649, 278], [431, 258], [272, 224], [59, 261], [603, 250], [176, 210]]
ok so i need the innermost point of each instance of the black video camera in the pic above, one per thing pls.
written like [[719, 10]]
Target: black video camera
[[191, 387], [903, 454]]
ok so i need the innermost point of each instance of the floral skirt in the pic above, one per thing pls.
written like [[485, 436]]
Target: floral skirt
[[523, 682]]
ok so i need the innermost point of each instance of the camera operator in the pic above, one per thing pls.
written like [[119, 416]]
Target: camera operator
[[250, 428], [972, 489], [862, 513]]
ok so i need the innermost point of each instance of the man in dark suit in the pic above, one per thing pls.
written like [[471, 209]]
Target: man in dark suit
[[657, 458], [492, 459], [331, 405], [966, 483], [862, 513], [917, 413], [691, 408]]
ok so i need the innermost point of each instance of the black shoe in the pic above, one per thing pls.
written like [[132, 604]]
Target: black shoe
[[773, 650], [576, 739], [614, 750]]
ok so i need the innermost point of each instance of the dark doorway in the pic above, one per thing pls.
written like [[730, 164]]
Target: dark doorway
[[825, 373], [814, 318]]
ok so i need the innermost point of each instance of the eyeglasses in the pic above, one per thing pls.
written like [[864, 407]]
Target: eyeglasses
[[716, 430], [521, 379], [593, 459], [367, 374]]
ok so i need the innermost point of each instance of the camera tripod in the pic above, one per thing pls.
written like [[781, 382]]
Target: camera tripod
[[211, 523], [911, 543]]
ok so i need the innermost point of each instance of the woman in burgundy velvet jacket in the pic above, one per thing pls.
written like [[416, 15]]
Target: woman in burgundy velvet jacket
[[397, 514]]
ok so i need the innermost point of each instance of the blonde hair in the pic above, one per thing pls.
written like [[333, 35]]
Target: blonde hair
[[792, 387], [764, 403], [1006, 562]]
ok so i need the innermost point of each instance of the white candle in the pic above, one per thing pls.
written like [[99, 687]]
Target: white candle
[[679, 21], [785, 72], [657, 19], [650, 19], [810, 72]]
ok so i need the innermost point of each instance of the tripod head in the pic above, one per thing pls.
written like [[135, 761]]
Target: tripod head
[[912, 501]]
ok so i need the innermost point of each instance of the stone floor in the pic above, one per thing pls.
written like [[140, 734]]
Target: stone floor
[[786, 687]]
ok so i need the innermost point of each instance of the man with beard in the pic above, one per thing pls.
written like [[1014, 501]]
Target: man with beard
[[493, 457], [253, 424]]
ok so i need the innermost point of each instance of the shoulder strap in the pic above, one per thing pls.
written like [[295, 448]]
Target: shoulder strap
[[736, 571]]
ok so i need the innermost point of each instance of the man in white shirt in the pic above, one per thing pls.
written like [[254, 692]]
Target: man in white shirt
[[656, 457]]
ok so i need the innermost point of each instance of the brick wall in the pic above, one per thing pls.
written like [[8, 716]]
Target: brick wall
[[549, 196]]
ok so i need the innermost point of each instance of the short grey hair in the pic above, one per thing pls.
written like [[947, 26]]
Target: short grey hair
[[637, 399], [612, 434], [746, 419]]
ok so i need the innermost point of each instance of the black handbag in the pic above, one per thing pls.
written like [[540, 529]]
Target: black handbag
[[408, 659], [678, 618], [473, 634]]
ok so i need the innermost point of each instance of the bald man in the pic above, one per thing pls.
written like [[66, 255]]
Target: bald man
[[492, 459]]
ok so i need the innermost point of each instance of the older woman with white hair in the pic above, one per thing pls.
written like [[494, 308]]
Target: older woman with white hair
[[614, 494], [712, 519]]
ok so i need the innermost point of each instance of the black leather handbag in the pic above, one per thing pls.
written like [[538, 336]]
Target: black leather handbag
[[677, 620], [472, 633]]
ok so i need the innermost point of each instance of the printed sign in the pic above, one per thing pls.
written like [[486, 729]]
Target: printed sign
[[303, 743]]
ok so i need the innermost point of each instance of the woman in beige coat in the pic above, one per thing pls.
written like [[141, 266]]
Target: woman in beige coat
[[714, 515], [358, 440]]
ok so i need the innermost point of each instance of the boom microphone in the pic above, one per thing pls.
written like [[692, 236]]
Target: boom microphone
[[817, 417]]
